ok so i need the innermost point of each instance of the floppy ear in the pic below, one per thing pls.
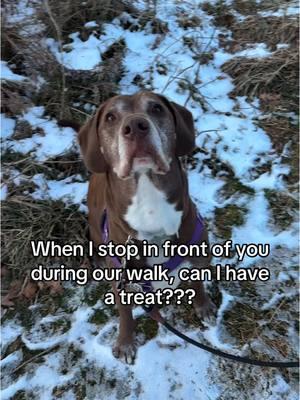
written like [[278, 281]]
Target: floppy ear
[[185, 131], [89, 142], [184, 126]]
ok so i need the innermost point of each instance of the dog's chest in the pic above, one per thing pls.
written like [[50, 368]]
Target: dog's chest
[[150, 214]]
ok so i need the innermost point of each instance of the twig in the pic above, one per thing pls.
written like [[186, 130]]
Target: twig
[[62, 68], [23, 285], [42, 353], [211, 130], [173, 78]]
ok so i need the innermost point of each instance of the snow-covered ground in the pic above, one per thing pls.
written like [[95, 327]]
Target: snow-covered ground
[[76, 360]]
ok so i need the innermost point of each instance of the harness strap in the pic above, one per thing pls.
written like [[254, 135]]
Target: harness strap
[[173, 262], [105, 237]]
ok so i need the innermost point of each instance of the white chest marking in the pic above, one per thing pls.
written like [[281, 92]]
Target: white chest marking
[[150, 214]]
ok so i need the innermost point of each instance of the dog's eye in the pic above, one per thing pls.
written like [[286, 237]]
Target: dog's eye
[[157, 108], [110, 117]]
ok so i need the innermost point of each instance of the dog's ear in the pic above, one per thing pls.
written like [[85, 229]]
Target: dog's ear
[[90, 144], [185, 131], [184, 126]]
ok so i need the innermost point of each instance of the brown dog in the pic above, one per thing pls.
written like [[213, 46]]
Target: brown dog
[[132, 145]]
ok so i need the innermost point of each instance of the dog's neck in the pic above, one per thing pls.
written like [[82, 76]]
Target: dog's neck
[[147, 205]]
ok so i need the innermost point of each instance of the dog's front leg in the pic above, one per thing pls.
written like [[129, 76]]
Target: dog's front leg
[[204, 307], [125, 347]]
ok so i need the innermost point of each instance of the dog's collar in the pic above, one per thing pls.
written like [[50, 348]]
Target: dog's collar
[[171, 264]]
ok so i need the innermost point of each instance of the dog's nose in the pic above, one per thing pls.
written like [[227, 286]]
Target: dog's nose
[[136, 127]]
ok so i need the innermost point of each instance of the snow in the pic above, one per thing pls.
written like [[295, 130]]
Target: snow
[[11, 360], [52, 142], [24, 12], [7, 126], [238, 141], [182, 365], [275, 300], [203, 189], [7, 74], [292, 11], [46, 377], [91, 24], [212, 333], [272, 179], [10, 391], [259, 51], [9, 333], [84, 55], [65, 189], [4, 192], [257, 230]]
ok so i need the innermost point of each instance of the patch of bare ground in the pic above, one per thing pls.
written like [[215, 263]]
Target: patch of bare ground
[[16, 97], [249, 7], [284, 135], [275, 81], [221, 13], [262, 323], [83, 88], [269, 30], [24, 220], [65, 93], [277, 74], [71, 16], [59, 167]]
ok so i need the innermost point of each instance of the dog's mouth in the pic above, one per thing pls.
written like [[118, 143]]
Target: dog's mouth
[[141, 160]]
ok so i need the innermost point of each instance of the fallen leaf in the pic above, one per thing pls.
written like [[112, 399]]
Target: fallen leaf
[[6, 302], [30, 290]]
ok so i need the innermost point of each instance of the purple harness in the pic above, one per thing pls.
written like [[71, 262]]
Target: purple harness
[[171, 264]]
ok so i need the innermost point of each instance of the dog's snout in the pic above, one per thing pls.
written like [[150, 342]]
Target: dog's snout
[[136, 127]]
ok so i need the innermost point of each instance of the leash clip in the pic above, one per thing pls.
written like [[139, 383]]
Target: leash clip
[[129, 240], [121, 285], [123, 282], [134, 287]]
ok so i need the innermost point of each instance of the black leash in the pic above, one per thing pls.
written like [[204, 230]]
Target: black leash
[[155, 314]]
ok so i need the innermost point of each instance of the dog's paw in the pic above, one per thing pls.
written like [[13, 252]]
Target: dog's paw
[[125, 352], [207, 311]]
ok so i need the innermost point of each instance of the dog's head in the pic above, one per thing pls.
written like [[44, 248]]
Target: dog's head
[[134, 133]]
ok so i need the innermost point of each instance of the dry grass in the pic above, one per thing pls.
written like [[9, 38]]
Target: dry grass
[[59, 167], [242, 322], [274, 79], [284, 207], [228, 217], [269, 30], [285, 139], [269, 329], [25, 219], [62, 88], [277, 74], [248, 7], [221, 13], [280, 130], [15, 97], [79, 87], [70, 16]]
